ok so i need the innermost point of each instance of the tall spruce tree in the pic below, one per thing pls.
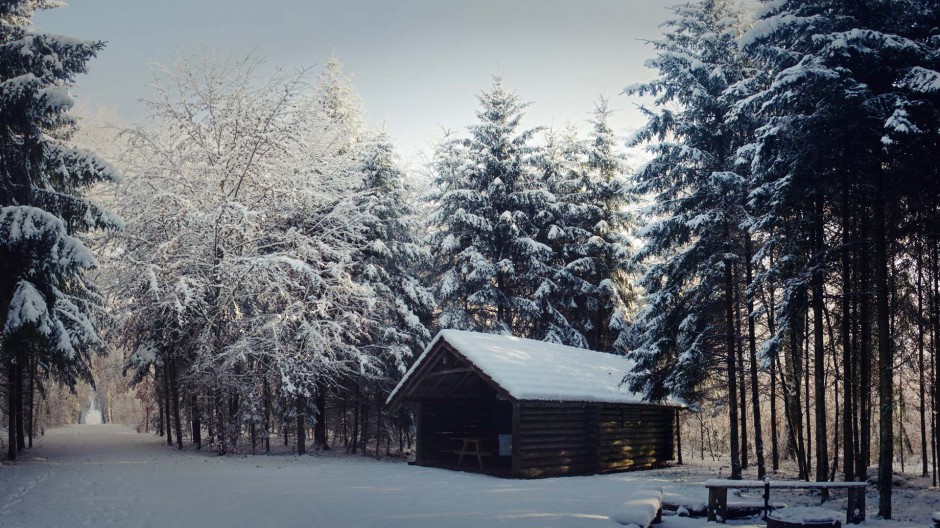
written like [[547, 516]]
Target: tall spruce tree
[[588, 231], [687, 333], [393, 258], [47, 304], [488, 263]]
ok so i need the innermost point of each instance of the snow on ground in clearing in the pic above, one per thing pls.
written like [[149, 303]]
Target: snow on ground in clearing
[[107, 475]]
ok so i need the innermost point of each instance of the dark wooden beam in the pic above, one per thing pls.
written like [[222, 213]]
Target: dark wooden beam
[[450, 371]]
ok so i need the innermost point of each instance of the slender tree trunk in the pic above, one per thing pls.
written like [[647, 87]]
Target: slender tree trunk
[[345, 412], [197, 424], [319, 430], [806, 393], [848, 445], [355, 430], [791, 394], [774, 358], [885, 354], [364, 413], [21, 358], [301, 425], [731, 370], [378, 429], [935, 356], [32, 395], [159, 398], [174, 384], [253, 432], [267, 415], [865, 301], [12, 404], [920, 364], [752, 356], [935, 342], [166, 403], [819, 356], [742, 384]]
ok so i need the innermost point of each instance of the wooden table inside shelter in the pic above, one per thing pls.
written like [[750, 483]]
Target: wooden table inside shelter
[[471, 447]]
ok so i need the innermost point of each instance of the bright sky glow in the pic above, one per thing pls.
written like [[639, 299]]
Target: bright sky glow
[[418, 64]]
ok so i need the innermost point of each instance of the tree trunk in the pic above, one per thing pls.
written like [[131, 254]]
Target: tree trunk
[[319, 429], [791, 395], [752, 353], [885, 354], [11, 398], [774, 358], [920, 364], [21, 355], [174, 384], [742, 382], [166, 403], [159, 397], [253, 432], [267, 415], [32, 395], [197, 424], [848, 445], [355, 431], [301, 425], [865, 359], [806, 393], [819, 355], [364, 425], [731, 370]]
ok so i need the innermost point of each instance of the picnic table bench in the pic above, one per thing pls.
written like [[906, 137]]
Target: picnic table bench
[[718, 495]]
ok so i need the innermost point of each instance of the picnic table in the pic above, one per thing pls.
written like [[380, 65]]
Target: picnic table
[[471, 447], [718, 495]]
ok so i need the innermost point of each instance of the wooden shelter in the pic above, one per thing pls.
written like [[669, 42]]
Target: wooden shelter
[[524, 408]]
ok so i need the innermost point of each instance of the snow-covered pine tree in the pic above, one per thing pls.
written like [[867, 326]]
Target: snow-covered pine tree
[[47, 305], [339, 101], [586, 294], [686, 334], [393, 257], [560, 163], [601, 256], [488, 263]]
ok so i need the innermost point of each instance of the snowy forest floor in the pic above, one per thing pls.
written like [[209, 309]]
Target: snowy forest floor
[[108, 475]]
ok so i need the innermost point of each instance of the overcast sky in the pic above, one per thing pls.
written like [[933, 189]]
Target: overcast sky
[[418, 64]]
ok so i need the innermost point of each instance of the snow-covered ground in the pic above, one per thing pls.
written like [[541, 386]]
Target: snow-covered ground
[[106, 475]]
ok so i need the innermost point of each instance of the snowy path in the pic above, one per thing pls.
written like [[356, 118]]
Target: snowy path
[[105, 475]]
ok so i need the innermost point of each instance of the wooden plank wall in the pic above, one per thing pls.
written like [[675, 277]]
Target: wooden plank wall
[[635, 437], [573, 439]]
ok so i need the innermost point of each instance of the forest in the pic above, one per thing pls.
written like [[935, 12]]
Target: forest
[[252, 264]]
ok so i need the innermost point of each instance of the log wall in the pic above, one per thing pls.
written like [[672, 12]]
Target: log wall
[[574, 439]]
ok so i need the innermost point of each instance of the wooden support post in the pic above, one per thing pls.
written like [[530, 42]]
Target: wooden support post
[[419, 437], [855, 510], [766, 497], [516, 434], [717, 505], [678, 439]]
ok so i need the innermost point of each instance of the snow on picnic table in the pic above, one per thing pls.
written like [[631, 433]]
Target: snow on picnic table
[[107, 475]]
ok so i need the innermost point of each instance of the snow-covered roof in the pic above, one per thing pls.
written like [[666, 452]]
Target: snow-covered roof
[[535, 370]]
